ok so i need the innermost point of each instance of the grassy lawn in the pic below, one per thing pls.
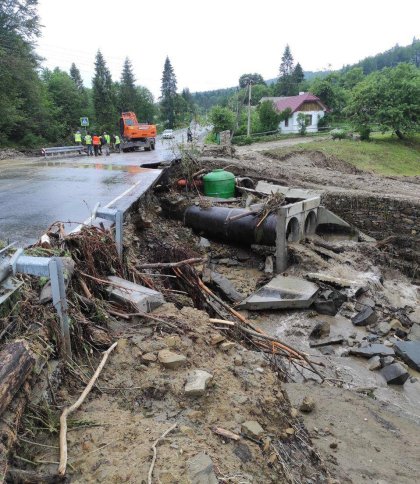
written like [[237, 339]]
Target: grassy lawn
[[384, 154]]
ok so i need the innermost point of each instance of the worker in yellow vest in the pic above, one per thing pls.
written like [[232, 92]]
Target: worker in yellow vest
[[88, 143], [78, 137], [117, 143], [105, 142]]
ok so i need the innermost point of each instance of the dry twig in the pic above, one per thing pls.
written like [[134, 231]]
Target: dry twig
[[74, 407], [152, 465]]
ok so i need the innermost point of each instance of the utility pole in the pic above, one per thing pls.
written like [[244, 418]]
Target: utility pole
[[249, 108]]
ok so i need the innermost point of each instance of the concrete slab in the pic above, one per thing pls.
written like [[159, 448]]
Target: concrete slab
[[142, 298], [298, 193], [281, 293]]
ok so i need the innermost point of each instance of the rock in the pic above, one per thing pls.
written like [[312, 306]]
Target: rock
[[371, 350], [396, 324], [307, 405], [383, 328], [171, 360], [238, 361], [333, 340], [242, 451], [290, 431], [329, 302], [251, 428], [395, 374], [216, 339], [414, 317], [364, 317], [204, 243], [374, 363], [223, 284], [320, 330], [197, 383], [201, 470], [149, 358], [333, 445], [326, 350], [269, 265], [227, 346], [409, 351], [387, 360], [363, 302], [415, 332]]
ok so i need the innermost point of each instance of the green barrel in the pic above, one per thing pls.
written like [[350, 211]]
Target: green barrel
[[219, 183]]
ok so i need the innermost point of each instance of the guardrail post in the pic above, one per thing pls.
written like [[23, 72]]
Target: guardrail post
[[51, 267], [117, 217]]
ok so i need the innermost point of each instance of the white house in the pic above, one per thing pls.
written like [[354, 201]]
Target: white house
[[306, 103]]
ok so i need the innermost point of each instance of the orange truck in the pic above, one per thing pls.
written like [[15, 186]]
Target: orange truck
[[136, 135]]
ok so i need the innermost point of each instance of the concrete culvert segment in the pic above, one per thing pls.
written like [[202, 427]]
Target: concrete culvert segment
[[310, 223], [292, 231]]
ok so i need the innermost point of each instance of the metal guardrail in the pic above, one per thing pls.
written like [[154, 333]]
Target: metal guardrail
[[59, 150], [51, 267]]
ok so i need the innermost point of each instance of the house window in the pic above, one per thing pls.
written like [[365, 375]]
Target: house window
[[286, 123], [308, 119]]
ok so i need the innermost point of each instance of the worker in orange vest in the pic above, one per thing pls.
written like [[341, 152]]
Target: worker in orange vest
[[96, 143]]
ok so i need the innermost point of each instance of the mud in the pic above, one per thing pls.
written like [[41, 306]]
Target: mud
[[361, 430]]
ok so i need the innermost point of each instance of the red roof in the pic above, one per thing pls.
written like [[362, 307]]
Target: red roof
[[294, 102]]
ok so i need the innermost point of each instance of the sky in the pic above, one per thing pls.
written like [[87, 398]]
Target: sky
[[211, 44]]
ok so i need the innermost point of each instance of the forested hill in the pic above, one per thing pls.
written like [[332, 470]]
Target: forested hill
[[390, 58], [206, 99]]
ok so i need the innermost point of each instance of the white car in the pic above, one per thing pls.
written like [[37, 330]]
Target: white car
[[168, 134]]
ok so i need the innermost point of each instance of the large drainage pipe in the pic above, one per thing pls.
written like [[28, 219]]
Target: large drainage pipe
[[215, 222]]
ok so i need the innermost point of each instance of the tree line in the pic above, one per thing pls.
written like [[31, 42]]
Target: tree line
[[385, 100], [42, 106]]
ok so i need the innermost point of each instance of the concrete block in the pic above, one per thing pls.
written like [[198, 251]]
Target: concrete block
[[143, 298], [282, 292]]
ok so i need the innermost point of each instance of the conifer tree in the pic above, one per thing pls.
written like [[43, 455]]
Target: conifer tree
[[286, 85], [77, 78], [127, 98], [168, 94], [298, 75], [103, 93]]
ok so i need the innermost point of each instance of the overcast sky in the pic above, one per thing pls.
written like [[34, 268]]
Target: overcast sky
[[212, 43]]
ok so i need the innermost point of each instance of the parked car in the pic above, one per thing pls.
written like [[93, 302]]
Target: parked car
[[168, 134]]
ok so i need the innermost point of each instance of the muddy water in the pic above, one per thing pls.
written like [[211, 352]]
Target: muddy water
[[349, 372]]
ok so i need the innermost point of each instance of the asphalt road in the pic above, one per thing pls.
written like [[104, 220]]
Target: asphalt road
[[35, 193]]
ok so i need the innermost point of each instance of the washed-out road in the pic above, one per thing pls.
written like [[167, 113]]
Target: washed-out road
[[34, 193]]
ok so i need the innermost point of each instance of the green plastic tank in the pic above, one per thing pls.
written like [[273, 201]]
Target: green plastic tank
[[219, 183]]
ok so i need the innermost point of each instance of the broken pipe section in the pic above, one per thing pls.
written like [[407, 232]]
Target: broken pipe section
[[217, 222]]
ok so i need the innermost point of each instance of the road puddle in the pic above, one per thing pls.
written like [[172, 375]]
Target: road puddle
[[135, 169]]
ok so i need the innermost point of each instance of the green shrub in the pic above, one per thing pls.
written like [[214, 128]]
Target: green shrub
[[364, 132], [338, 134]]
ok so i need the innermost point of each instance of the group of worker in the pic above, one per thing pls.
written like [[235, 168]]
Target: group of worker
[[97, 145]]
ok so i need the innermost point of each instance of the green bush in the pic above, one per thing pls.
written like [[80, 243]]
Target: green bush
[[31, 140], [338, 134], [364, 132]]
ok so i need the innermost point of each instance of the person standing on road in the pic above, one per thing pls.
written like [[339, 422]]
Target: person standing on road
[[88, 143], [96, 144], [78, 137], [106, 140], [117, 143]]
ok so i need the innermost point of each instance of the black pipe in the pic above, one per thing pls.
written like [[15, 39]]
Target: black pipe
[[215, 222]]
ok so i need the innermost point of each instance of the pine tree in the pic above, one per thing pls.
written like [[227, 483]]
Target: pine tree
[[103, 93], [298, 75], [127, 88], [168, 94], [286, 66], [77, 78], [286, 84]]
